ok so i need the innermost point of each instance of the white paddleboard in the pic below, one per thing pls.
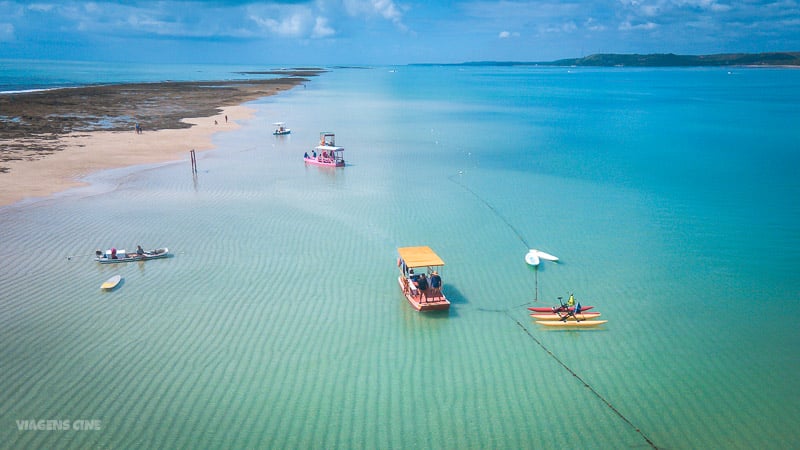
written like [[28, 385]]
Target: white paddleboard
[[544, 255]]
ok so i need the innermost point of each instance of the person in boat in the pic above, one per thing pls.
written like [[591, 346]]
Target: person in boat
[[139, 251], [572, 312], [422, 285], [414, 277], [436, 282], [565, 307], [305, 155], [114, 253], [314, 154]]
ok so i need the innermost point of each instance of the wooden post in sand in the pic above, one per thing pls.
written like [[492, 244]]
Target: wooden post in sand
[[194, 161]]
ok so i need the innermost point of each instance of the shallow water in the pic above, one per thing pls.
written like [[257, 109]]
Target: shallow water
[[669, 195]]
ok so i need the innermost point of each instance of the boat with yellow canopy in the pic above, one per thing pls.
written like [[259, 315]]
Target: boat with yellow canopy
[[419, 278]]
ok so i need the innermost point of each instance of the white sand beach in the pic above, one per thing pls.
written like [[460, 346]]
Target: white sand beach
[[90, 152]]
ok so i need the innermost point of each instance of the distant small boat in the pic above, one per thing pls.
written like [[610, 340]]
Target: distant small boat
[[111, 283], [281, 129], [119, 256], [326, 153]]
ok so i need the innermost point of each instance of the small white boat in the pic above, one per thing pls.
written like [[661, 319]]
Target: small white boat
[[280, 129], [111, 283], [119, 256]]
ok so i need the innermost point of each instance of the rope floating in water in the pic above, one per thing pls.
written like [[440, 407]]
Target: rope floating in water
[[585, 384], [488, 205]]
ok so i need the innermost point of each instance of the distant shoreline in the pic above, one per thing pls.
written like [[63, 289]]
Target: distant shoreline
[[772, 59]]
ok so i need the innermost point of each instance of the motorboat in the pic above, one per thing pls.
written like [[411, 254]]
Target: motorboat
[[327, 153], [113, 255], [280, 129], [416, 263]]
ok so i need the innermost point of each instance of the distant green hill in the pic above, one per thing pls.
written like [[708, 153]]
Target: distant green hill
[[666, 60], [673, 60]]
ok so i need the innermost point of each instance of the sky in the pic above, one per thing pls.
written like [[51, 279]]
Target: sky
[[385, 32]]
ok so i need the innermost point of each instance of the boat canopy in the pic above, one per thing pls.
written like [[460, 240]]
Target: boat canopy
[[421, 256], [327, 139]]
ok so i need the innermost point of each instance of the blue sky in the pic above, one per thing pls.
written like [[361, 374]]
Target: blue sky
[[326, 32]]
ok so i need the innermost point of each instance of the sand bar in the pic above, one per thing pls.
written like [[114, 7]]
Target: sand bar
[[50, 140]]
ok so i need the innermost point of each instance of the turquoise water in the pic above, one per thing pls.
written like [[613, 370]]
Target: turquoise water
[[669, 195]]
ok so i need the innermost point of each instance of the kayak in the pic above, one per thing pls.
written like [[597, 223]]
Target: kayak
[[554, 316], [549, 309], [111, 283], [571, 323]]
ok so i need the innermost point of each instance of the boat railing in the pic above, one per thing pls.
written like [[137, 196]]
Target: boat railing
[[428, 295], [431, 295]]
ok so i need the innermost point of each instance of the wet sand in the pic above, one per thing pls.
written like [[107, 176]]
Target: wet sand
[[49, 140]]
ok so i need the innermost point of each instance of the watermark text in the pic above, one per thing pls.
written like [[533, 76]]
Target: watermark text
[[59, 425]]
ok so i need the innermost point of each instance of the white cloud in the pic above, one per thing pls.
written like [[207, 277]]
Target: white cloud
[[650, 10], [6, 32], [321, 29], [709, 5], [40, 7], [507, 34], [387, 9], [628, 26], [294, 25], [567, 27], [592, 25]]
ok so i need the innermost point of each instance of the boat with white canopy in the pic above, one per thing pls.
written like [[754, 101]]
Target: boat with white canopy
[[327, 153], [280, 129]]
